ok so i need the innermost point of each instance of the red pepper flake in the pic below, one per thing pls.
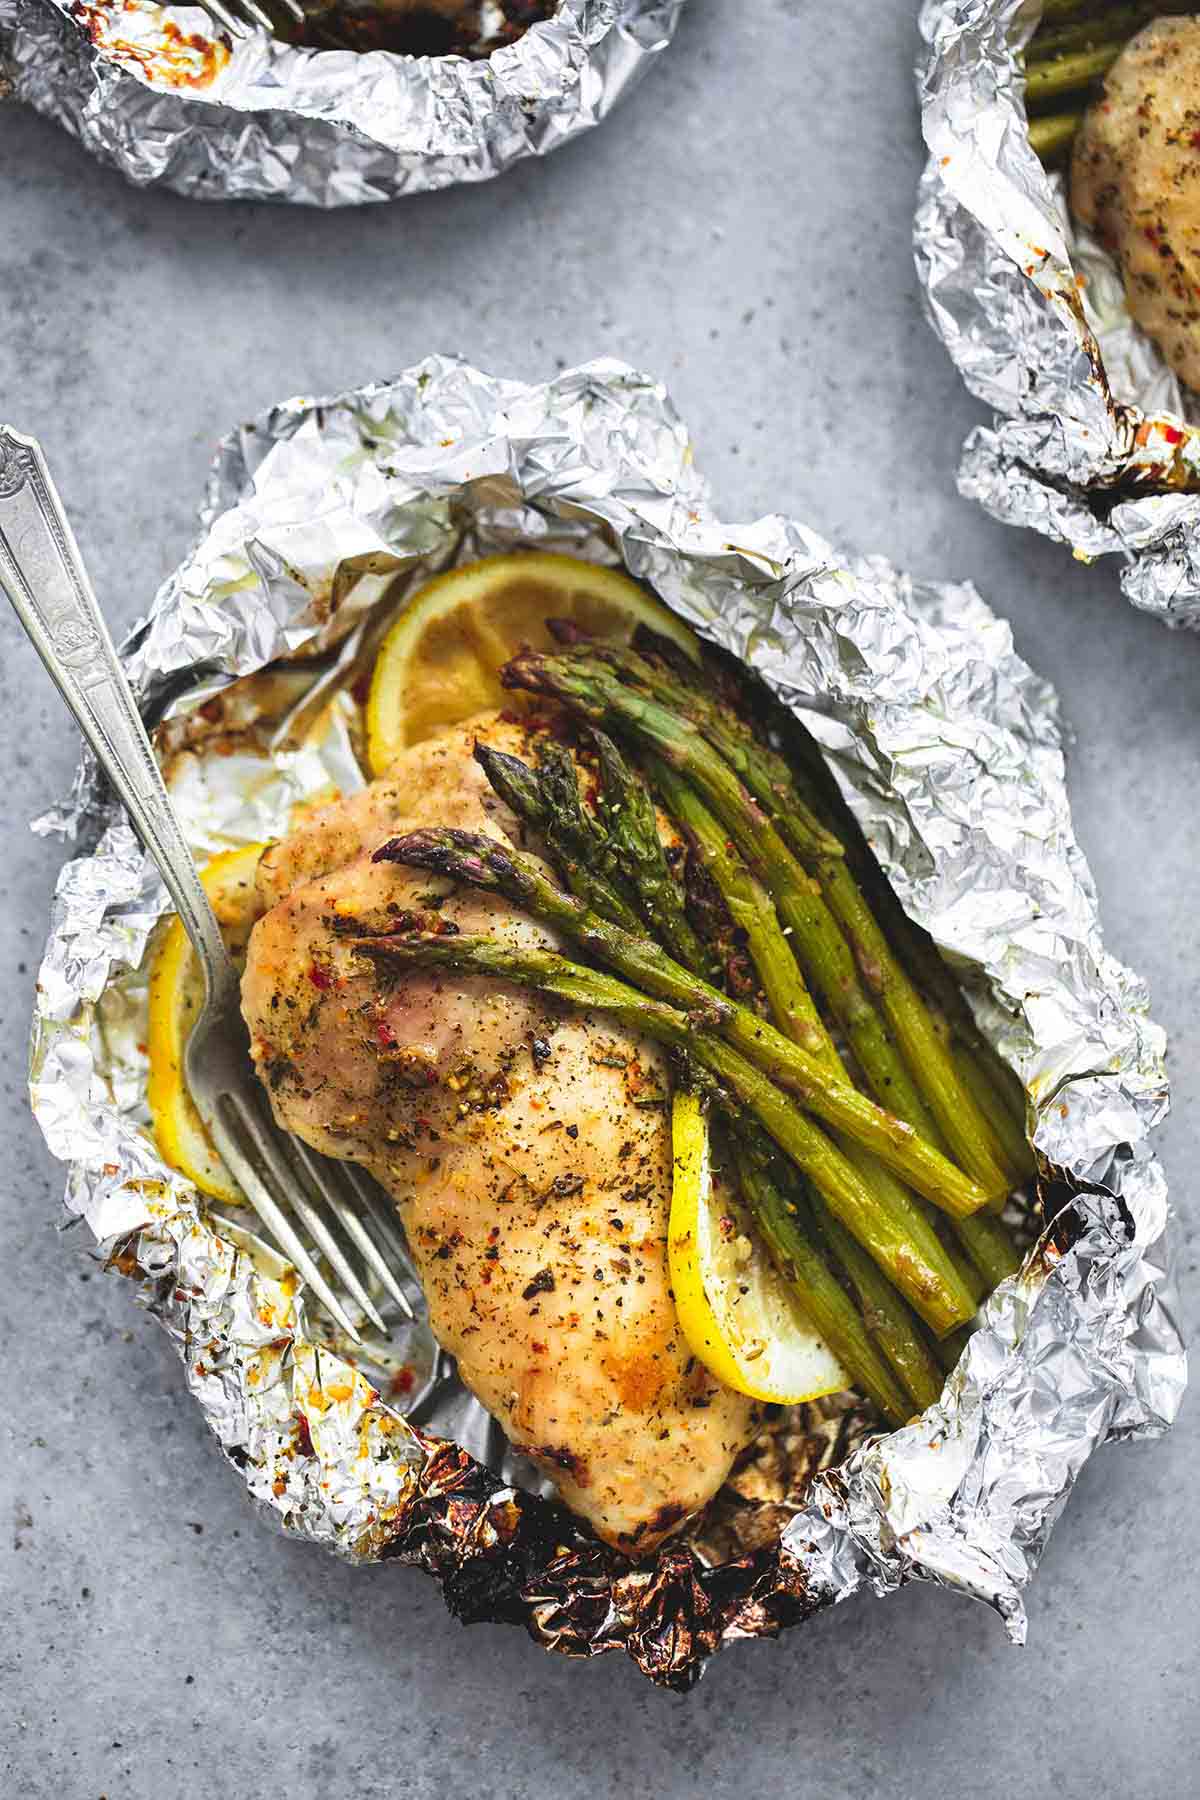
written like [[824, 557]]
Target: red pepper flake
[[1194, 140], [1172, 434], [320, 978], [386, 1035], [402, 1382], [304, 1441]]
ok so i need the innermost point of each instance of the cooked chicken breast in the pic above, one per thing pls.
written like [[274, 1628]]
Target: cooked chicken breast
[[526, 1148], [1135, 181]]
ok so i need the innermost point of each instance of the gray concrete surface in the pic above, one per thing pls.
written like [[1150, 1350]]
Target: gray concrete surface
[[741, 227]]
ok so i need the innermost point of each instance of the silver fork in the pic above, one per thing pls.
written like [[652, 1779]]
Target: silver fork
[[43, 575], [240, 17]]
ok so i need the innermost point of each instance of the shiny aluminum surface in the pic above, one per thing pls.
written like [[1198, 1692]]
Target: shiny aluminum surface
[[949, 748], [168, 98]]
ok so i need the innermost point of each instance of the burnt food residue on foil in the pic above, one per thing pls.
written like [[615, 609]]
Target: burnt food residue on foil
[[471, 28], [165, 55]]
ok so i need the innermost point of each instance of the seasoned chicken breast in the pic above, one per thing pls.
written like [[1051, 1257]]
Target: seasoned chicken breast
[[1135, 181], [527, 1149]]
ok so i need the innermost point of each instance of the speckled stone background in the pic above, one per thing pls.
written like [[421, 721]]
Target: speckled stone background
[[741, 226]]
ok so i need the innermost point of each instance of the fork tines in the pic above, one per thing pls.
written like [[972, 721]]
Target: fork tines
[[240, 17], [345, 1216]]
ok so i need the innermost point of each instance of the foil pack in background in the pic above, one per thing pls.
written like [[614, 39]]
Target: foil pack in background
[[163, 94], [948, 748], [1032, 311]]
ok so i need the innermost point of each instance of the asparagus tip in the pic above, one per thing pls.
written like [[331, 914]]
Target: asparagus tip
[[467, 856]]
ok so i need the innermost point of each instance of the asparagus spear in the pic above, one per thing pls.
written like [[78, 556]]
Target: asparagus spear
[[788, 1236], [964, 1125], [984, 1254], [1053, 134], [911, 1255], [486, 863], [585, 685], [517, 785], [548, 802], [798, 816], [785, 1206], [1076, 24], [985, 1241], [1084, 28], [751, 907], [783, 1215], [772, 1196], [887, 1317], [996, 1089], [633, 824], [1064, 74], [685, 692], [988, 1244], [573, 834], [752, 911], [806, 770], [1114, 23], [599, 696]]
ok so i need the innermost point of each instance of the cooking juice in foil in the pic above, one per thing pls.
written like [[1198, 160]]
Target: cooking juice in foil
[[1092, 442], [322, 518]]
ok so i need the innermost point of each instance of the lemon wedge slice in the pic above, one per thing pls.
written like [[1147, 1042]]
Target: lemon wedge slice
[[439, 662], [176, 996], [736, 1311]]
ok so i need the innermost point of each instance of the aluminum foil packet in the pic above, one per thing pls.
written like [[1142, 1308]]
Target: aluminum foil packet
[[170, 98], [1089, 420], [322, 517]]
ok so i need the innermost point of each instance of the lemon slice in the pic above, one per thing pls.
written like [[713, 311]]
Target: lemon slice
[[176, 996], [735, 1309], [438, 663]]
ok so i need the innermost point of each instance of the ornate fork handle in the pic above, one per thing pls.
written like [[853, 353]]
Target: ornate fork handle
[[43, 575]]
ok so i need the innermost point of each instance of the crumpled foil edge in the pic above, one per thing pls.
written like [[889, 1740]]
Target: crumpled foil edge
[[948, 748], [157, 92], [1031, 312]]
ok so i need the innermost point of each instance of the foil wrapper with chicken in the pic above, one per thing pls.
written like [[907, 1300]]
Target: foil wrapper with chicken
[[721, 1178], [1056, 242], [341, 102], [416, 1027]]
